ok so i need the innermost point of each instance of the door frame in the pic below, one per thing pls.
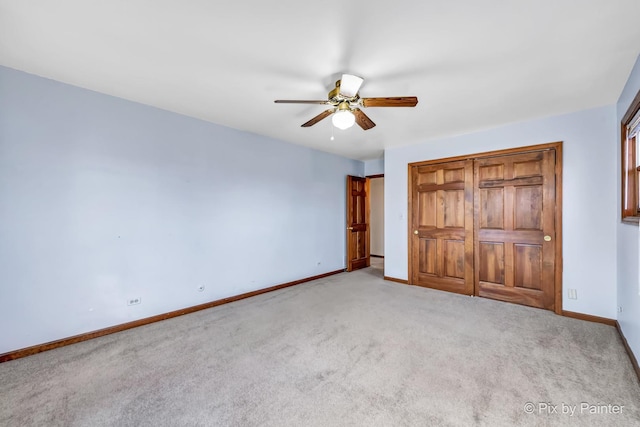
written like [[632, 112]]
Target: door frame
[[369, 178], [557, 146]]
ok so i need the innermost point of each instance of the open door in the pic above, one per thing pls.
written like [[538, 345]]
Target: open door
[[357, 223]]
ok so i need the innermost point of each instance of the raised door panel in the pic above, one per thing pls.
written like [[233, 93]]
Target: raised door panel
[[453, 257], [453, 208], [532, 167], [426, 175], [491, 262], [489, 171], [528, 207], [528, 266], [428, 251], [427, 209], [491, 212], [453, 174]]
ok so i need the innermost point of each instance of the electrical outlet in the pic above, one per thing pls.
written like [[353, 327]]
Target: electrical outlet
[[134, 301], [572, 294]]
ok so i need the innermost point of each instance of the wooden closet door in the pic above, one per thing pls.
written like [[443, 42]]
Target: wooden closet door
[[515, 228], [442, 226]]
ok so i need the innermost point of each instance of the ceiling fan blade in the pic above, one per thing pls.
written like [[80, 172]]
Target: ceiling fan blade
[[296, 101], [362, 119], [399, 101], [350, 85], [319, 117]]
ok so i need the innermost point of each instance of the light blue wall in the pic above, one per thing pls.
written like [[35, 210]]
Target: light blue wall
[[374, 167], [102, 200], [628, 283], [589, 197]]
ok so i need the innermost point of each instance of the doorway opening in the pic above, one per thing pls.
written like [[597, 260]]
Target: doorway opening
[[376, 217], [365, 224]]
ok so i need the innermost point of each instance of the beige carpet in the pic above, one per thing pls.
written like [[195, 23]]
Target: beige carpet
[[350, 349]]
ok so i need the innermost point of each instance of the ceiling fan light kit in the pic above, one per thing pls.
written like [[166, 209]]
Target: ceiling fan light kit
[[349, 85], [343, 119], [346, 104]]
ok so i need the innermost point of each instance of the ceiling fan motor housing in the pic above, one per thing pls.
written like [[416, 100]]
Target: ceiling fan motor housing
[[333, 94]]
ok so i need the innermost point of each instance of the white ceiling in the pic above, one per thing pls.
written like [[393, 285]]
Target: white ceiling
[[472, 64]]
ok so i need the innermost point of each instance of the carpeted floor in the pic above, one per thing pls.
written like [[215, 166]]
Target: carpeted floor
[[349, 349]]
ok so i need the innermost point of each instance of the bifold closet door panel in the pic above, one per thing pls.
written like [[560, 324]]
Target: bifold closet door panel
[[441, 235], [514, 249]]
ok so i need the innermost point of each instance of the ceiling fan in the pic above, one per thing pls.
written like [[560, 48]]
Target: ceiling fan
[[346, 103]]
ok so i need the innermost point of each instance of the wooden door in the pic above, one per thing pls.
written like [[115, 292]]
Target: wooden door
[[357, 223], [515, 226], [442, 226]]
